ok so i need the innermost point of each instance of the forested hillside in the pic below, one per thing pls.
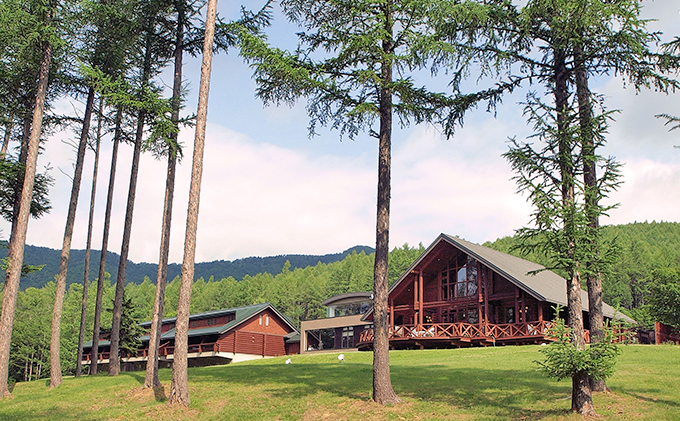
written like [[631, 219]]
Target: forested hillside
[[645, 251], [297, 292], [136, 272]]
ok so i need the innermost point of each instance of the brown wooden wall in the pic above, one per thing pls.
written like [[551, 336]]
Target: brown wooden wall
[[431, 289], [255, 343], [276, 325], [201, 323], [293, 348]]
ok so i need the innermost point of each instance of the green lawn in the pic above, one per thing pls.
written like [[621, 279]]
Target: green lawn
[[460, 384]]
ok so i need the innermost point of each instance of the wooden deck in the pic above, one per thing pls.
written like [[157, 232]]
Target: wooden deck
[[163, 351], [448, 335]]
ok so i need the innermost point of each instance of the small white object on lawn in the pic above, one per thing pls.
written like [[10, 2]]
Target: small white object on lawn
[[341, 357], [288, 361]]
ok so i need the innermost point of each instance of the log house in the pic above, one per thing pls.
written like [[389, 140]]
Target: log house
[[459, 294], [216, 337]]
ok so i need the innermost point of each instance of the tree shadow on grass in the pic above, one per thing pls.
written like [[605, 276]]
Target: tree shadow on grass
[[135, 375], [26, 414], [158, 391], [498, 392], [649, 399]]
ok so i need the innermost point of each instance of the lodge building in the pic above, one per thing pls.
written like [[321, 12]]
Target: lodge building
[[458, 294], [215, 337]]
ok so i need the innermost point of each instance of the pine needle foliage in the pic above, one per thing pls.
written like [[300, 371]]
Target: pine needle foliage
[[560, 228], [563, 360], [336, 66]]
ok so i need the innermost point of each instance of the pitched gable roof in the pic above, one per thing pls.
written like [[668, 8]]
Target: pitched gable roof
[[544, 285], [241, 315]]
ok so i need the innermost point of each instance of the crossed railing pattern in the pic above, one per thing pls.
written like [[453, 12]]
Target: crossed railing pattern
[[164, 351], [465, 330]]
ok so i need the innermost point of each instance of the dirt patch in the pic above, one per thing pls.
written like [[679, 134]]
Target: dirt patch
[[357, 409], [139, 394], [168, 412]]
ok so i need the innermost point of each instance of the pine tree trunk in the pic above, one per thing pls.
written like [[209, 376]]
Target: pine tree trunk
[[581, 396], [86, 275], [23, 154], [594, 278], [94, 354], [8, 136], [151, 378], [15, 255], [55, 345], [382, 383], [114, 360], [179, 390]]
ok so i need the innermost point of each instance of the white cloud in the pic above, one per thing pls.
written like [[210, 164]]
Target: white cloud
[[460, 187], [256, 199], [648, 193]]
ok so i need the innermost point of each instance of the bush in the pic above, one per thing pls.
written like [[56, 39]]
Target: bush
[[563, 360]]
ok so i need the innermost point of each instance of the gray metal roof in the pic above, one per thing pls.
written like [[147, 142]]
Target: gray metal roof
[[545, 285], [358, 295]]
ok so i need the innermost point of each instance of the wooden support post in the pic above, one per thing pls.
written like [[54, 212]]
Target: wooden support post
[[480, 298], [390, 307], [522, 310], [540, 311], [415, 300], [420, 297], [487, 291], [516, 305]]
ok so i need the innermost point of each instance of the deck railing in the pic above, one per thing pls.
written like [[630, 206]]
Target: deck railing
[[164, 351], [465, 330]]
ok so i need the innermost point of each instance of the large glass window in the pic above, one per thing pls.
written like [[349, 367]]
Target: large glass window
[[349, 309], [459, 278], [347, 337], [460, 315]]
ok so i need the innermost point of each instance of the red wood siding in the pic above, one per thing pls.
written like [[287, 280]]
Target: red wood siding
[[502, 285], [213, 321], [294, 348], [249, 343], [274, 345], [276, 325], [226, 342], [255, 343], [430, 289]]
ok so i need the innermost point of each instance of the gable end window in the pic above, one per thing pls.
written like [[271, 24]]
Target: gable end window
[[459, 278]]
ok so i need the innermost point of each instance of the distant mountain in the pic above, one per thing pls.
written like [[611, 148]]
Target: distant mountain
[[137, 271]]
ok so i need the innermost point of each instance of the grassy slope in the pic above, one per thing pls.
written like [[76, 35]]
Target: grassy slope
[[464, 384]]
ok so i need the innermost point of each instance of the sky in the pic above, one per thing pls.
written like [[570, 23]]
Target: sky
[[269, 189]]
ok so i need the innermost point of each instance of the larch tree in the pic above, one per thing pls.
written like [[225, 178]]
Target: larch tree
[[46, 35], [179, 389], [575, 40], [94, 353], [88, 244], [55, 346], [225, 37], [21, 57], [121, 36], [610, 37], [550, 174], [373, 48], [155, 52], [172, 150]]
